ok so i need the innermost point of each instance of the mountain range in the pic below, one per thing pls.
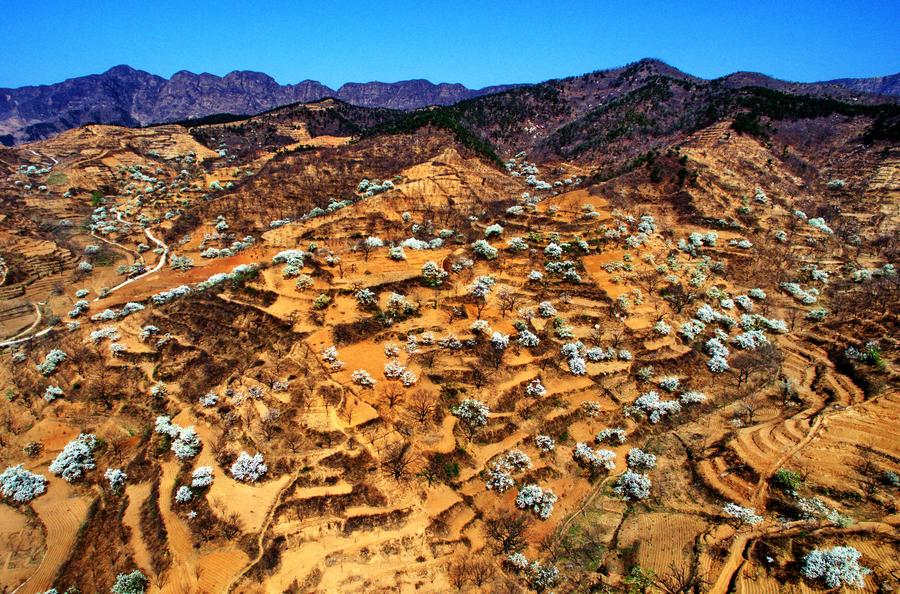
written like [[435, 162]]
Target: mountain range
[[125, 96]]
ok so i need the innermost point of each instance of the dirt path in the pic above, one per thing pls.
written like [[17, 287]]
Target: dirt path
[[38, 317], [14, 341], [735, 554], [159, 265], [260, 549]]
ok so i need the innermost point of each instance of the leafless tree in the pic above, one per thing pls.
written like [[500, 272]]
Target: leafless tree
[[269, 422], [398, 460], [867, 470], [421, 406], [507, 299], [481, 570], [458, 572], [681, 579], [507, 530], [392, 393]]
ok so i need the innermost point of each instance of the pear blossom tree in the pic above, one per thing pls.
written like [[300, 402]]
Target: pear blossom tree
[[21, 485]]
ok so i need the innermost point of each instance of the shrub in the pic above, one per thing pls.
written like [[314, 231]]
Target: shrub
[[787, 480], [322, 301], [303, 282], [493, 230], [183, 494]]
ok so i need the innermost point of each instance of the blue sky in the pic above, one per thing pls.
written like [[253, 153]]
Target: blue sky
[[475, 42]]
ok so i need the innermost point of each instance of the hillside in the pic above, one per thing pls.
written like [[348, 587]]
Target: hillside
[[632, 331]]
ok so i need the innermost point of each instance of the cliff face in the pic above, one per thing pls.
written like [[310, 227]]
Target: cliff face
[[129, 97]]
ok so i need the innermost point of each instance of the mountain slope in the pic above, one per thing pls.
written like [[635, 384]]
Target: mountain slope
[[879, 85], [129, 97]]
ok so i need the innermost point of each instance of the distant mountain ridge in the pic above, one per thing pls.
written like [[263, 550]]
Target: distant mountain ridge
[[125, 96]]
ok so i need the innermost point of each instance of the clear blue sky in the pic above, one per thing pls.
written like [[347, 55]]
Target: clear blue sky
[[475, 42]]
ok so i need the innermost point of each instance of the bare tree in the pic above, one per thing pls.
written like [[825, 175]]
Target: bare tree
[[681, 579], [481, 570], [269, 422], [392, 393], [650, 280], [458, 572], [421, 406], [868, 471], [398, 460], [507, 299], [677, 297], [507, 530]]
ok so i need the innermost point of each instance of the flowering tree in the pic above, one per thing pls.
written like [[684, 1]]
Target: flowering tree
[[640, 460], [130, 583], [632, 486], [744, 515], [544, 443], [473, 415], [369, 244], [116, 478], [484, 249], [593, 460], [836, 566], [21, 485], [249, 468], [480, 290], [537, 500], [362, 378], [202, 477], [432, 274], [75, 458]]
